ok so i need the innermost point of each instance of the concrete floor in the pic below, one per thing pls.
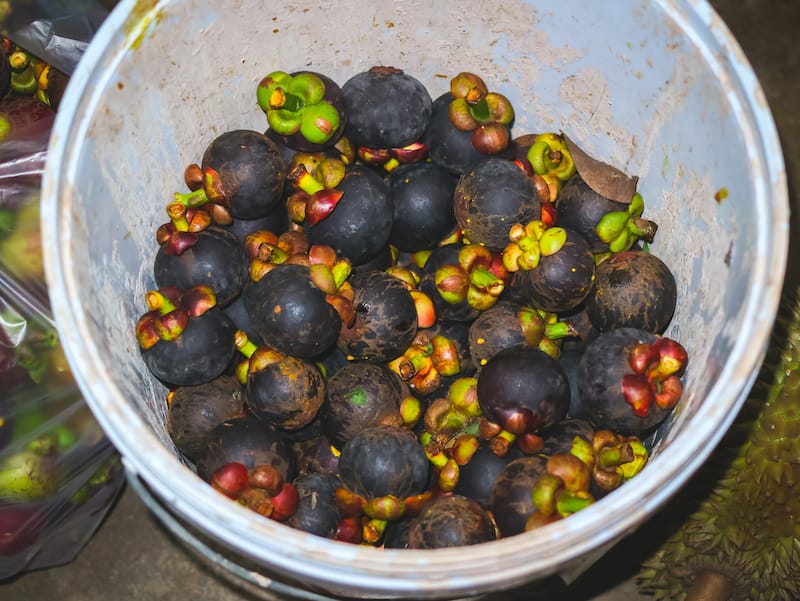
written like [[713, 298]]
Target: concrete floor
[[133, 557]]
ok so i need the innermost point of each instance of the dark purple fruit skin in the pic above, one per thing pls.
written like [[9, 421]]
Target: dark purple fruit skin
[[448, 147], [495, 329], [359, 226], [386, 318], [251, 442], [290, 313], [476, 478], [276, 221], [511, 500], [633, 289], [396, 534], [317, 512], [217, 259], [315, 456], [580, 208], [287, 394], [560, 437], [569, 359], [525, 379], [386, 108], [422, 197], [194, 411], [384, 460], [492, 196], [561, 281], [360, 395], [333, 95], [237, 311], [451, 521], [203, 351], [600, 372], [251, 170]]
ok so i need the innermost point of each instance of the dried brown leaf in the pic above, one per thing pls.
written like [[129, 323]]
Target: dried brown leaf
[[601, 177]]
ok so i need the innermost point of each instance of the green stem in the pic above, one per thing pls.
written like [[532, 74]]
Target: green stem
[[192, 199], [480, 111], [283, 100]]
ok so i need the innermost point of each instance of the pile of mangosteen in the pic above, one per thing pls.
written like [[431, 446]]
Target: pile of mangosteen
[[387, 320]]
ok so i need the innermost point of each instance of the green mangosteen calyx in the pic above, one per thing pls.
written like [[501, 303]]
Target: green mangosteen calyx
[[479, 277], [169, 312], [620, 229], [487, 114], [315, 178], [549, 156], [296, 103], [543, 329], [530, 242]]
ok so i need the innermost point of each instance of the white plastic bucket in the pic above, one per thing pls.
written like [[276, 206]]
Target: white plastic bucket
[[659, 89]]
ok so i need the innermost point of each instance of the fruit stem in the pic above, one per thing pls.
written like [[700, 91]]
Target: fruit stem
[[157, 301], [281, 99], [194, 199], [243, 344]]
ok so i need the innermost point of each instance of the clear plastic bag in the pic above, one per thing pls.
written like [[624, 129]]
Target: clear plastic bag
[[59, 474]]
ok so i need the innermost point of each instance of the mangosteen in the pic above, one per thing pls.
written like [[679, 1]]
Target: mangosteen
[[283, 390], [476, 477], [386, 318], [448, 146], [250, 441], [361, 395], [633, 289], [384, 460], [290, 313], [213, 257], [451, 521], [243, 176], [492, 196], [508, 324], [580, 208], [512, 494], [361, 221], [184, 338], [194, 411], [629, 380], [523, 390], [317, 512], [305, 109], [422, 198], [386, 108], [562, 280]]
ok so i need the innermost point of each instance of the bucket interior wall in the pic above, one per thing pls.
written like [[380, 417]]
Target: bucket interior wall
[[646, 86]]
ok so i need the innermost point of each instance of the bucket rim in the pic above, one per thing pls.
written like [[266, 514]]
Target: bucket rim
[[406, 572]]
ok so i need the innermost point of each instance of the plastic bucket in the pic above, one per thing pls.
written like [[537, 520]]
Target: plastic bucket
[[659, 89]]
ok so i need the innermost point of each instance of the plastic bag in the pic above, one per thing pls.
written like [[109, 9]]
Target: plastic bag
[[59, 474], [57, 31]]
